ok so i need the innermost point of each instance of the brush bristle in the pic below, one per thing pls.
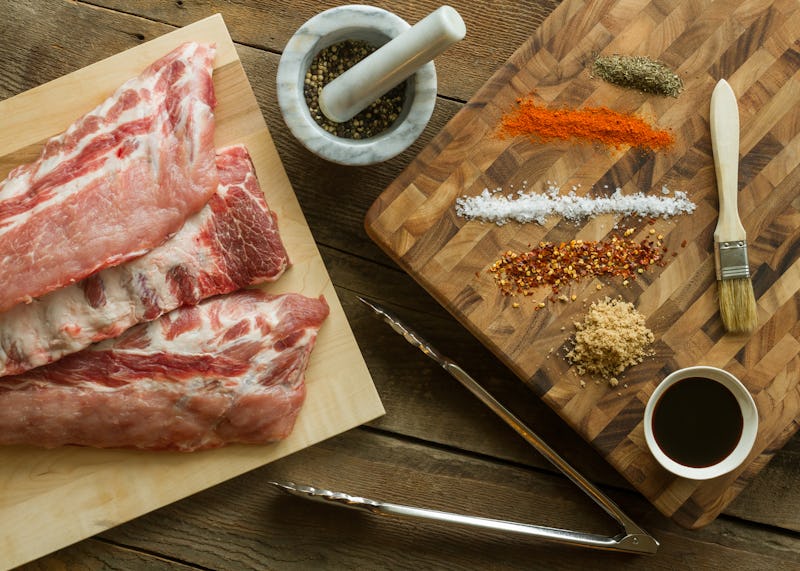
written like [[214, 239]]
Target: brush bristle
[[737, 305]]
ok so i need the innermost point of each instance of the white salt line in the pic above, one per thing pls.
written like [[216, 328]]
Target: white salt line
[[494, 206]]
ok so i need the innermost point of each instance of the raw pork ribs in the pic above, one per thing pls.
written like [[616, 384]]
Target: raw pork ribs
[[118, 182], [124, 251], [232, 243], [230, 369]]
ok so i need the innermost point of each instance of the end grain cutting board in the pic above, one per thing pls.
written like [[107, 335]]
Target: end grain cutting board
[[51, 498], [755, 45]]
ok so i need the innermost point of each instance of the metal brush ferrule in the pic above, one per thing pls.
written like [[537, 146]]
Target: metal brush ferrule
[[731, 259]]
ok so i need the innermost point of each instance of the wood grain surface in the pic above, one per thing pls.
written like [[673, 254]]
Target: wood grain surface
[[436, 446], [77, 492], [751, 44]]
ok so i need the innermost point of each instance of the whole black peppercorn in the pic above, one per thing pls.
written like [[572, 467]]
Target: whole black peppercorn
[[330, 63]]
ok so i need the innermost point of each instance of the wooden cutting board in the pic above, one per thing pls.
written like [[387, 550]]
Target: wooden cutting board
[[754, 45], [51, 498]]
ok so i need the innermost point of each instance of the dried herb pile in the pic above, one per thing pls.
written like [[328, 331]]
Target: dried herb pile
[[638, 72]]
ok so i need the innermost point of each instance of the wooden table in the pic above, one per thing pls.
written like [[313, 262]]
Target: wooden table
[[437, 446]]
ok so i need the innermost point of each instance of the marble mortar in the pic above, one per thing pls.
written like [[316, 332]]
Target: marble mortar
[[352, 22]]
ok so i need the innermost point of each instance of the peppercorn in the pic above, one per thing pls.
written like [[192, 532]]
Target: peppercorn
[[329, 64]]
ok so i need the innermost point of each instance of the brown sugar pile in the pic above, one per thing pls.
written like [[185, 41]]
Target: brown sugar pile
[[612, 337]]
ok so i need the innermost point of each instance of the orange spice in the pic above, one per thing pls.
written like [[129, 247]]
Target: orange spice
[[589, 123]]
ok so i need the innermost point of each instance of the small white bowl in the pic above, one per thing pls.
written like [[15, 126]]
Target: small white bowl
[[749, 424], [352, 22]]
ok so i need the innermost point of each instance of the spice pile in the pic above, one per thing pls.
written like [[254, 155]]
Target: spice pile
[[612, 337], [599, 124], [495, 206], [329, 64], [556, 264], [638, 72]]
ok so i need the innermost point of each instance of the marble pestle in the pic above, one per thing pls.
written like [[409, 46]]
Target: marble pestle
[[391, 64]]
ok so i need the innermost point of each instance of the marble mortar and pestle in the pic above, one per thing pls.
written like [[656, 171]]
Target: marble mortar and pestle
[[404, 54]]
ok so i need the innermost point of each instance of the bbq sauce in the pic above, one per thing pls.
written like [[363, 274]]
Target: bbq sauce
[[697, 422]]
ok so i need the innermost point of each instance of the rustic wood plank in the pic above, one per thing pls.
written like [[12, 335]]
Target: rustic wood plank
[[493, 29], [244, 523], [771, 497], [36, 49], [422, 403], [260, 68], [99, 554]]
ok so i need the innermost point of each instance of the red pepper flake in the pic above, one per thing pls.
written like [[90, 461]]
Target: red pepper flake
[[556, 264]]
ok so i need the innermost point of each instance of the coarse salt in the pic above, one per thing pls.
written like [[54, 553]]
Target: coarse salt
[[523, 206]]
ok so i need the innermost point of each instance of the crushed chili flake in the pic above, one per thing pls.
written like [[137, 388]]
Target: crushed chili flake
[[556, 264]]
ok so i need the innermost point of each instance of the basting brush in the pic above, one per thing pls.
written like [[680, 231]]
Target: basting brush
[[737, 303]]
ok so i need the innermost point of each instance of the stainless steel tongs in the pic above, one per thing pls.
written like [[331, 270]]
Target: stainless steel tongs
[[632, 539]]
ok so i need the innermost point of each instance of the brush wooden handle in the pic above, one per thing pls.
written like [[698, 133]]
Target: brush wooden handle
[[725, 145]]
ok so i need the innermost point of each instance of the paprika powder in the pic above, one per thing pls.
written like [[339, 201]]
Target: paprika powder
[[599, 124]]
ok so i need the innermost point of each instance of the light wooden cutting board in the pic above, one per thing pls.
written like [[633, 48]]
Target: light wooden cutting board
[[52, 498], [755, 44]]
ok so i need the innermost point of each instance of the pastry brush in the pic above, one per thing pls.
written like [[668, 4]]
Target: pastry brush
[[737, 304]]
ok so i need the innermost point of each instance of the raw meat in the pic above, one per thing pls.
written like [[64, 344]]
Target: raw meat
[[232, 243], [118, 182], [230, 369]]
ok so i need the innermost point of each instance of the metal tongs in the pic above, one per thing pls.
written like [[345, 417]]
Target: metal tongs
[[633, 539]]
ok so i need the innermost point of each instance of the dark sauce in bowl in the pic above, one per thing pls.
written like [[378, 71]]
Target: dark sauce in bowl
[[697, 422]]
